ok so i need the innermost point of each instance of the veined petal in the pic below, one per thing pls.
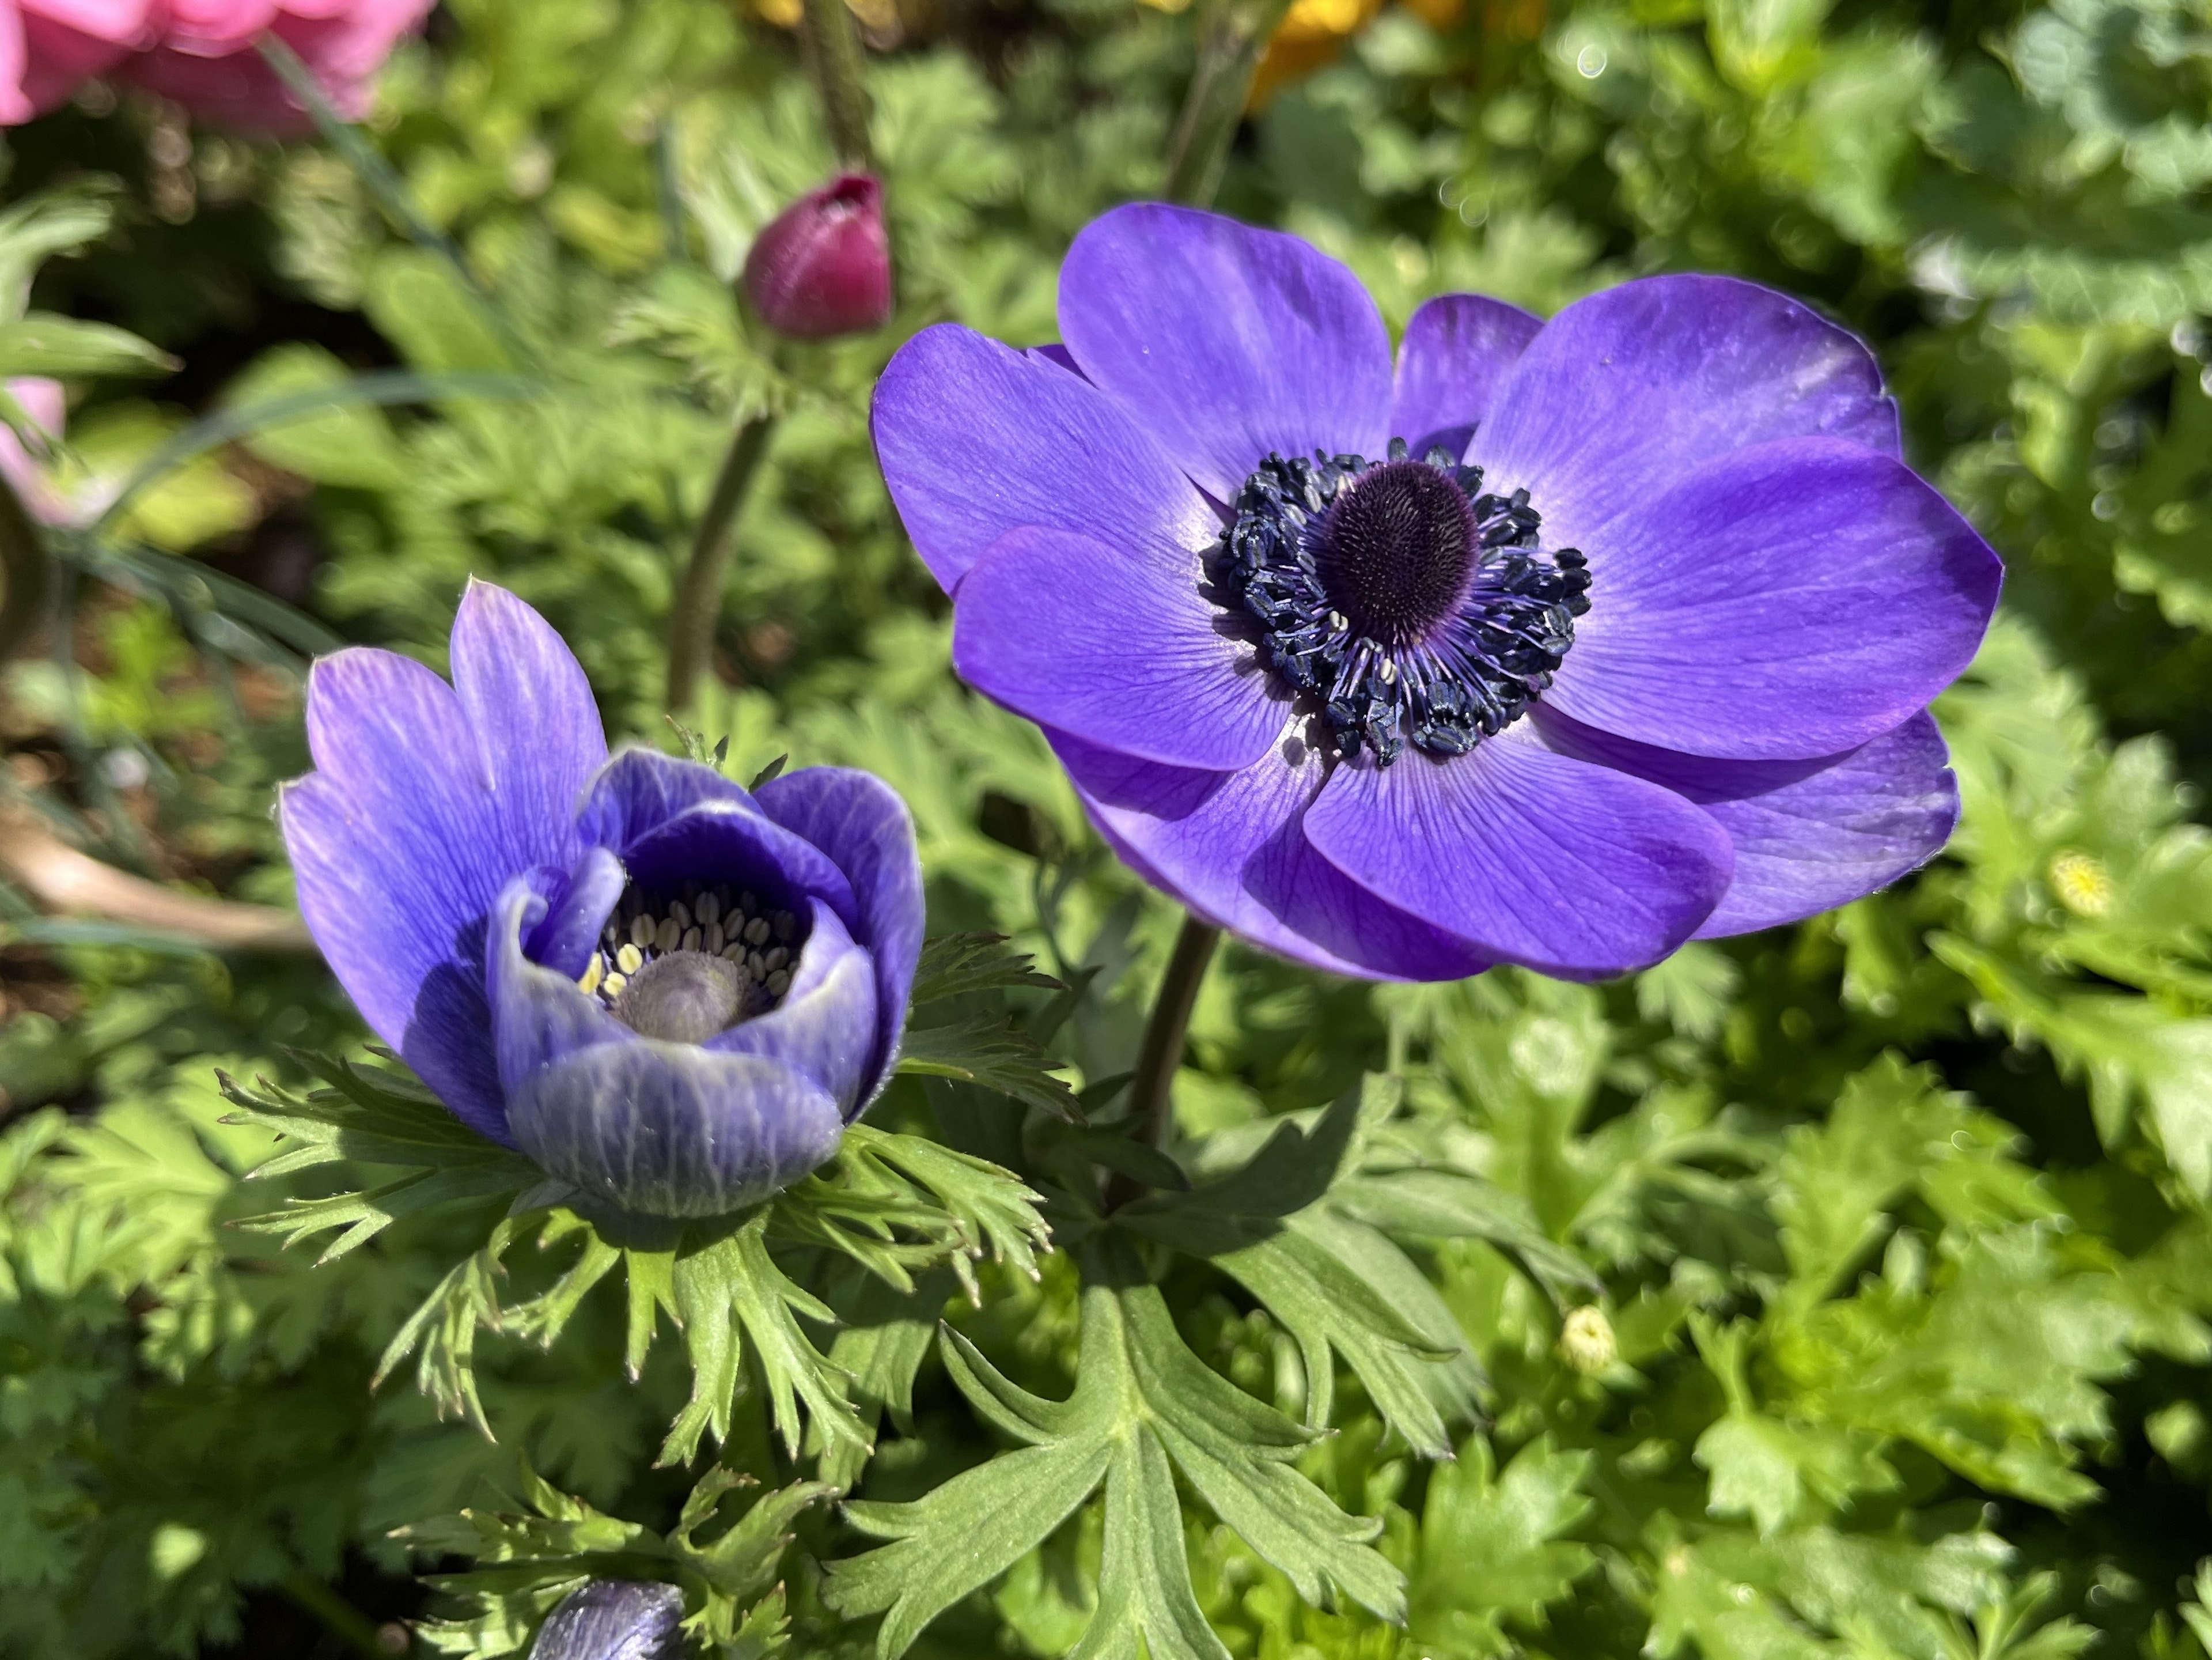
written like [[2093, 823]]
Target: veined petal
[[1788, 601], [668, 1129], [577, 905], [1624, 392], [865, 828], [1229, 343], [977, 439], [525, 698], [1230, 846], [1456, 353], [1121, 651], [613, 1619], [639, 790], [1809, 835], [1533, 857], [828, 1026], [539, 1015], [391, 928], [673, 821]]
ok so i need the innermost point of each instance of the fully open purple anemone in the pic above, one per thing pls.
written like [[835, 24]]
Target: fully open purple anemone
[[671, 992], [1565, 643]]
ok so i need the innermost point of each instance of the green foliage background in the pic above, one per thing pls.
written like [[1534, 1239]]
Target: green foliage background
[[1899, 1221]]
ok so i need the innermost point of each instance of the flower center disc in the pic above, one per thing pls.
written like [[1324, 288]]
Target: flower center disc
[[1393, 550], [685, 997]]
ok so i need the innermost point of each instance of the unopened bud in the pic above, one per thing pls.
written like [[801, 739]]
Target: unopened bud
[[1586, 1341], [822, 266]]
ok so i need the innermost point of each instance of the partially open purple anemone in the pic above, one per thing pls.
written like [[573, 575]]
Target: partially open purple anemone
[[666, 990], [1565, 643]]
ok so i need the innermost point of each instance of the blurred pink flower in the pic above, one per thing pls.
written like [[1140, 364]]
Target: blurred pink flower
[[203, 54], [42, 400], [207, 61], [48, 47]]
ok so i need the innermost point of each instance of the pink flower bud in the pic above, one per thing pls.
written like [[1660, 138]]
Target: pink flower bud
[[822, 266]]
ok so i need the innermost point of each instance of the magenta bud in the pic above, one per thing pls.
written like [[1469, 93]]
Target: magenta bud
[[823, 267]]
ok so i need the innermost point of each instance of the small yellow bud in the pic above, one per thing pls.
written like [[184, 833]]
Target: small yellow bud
[[1586, 1341], [2082, 884]]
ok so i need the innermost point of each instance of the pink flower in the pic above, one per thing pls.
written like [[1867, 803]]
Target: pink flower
[[42, 400], [203, 54], [207, 60], [48, 47]]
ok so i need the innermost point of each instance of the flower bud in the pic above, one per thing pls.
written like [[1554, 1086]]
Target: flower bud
[[1586, 1342], [822, 266]]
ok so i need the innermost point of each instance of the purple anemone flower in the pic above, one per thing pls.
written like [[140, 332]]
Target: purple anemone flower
[[1565, 643], [668, 990]]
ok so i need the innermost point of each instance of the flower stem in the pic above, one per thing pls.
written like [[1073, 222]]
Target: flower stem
[[699, 592], [1151, 1086], [834, 54], [1230, 43]]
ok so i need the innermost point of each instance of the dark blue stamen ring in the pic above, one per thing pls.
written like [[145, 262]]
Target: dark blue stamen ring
[[1410, 604]]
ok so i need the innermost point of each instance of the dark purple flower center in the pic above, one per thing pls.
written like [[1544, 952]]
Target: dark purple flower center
[[684, 968], [1411, 606], [1393, 550]]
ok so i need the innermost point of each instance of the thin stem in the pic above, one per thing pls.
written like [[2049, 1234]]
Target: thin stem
[[1230, 43], [699, 592], [1151, 1086], [834, 54], [384, 182], [346, 1622]]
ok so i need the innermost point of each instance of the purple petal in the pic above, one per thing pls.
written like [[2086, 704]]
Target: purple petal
[[393, 932], [1458, 351], [668, 1129], [1786, 602], [539, 1016], [1229, 846], [977, 439], [1121, 650], [665, 1129], [674, 821], [828, 1026], [525, 695], [862, 825], [1625, 392], [639, 790], [1229, 344], [1536, 858], [613, 1619], [577, 905], [1809, 835]]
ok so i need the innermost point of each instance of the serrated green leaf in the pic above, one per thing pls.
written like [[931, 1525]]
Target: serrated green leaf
[[1142, 1408], [992, 1051], [1491, 1547], [956, 964]]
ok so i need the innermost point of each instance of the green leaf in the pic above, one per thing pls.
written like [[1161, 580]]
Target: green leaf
[[1144, 1409], [60, 347], [732, 1289], [955, 964], [526, 1560], [1336, 1284], [1491, 1547], [992, 1051]]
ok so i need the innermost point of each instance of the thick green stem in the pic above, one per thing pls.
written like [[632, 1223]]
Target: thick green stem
[[834, 54], [23, 569], [699, 590], [1230, 42], [1152, 1086]]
